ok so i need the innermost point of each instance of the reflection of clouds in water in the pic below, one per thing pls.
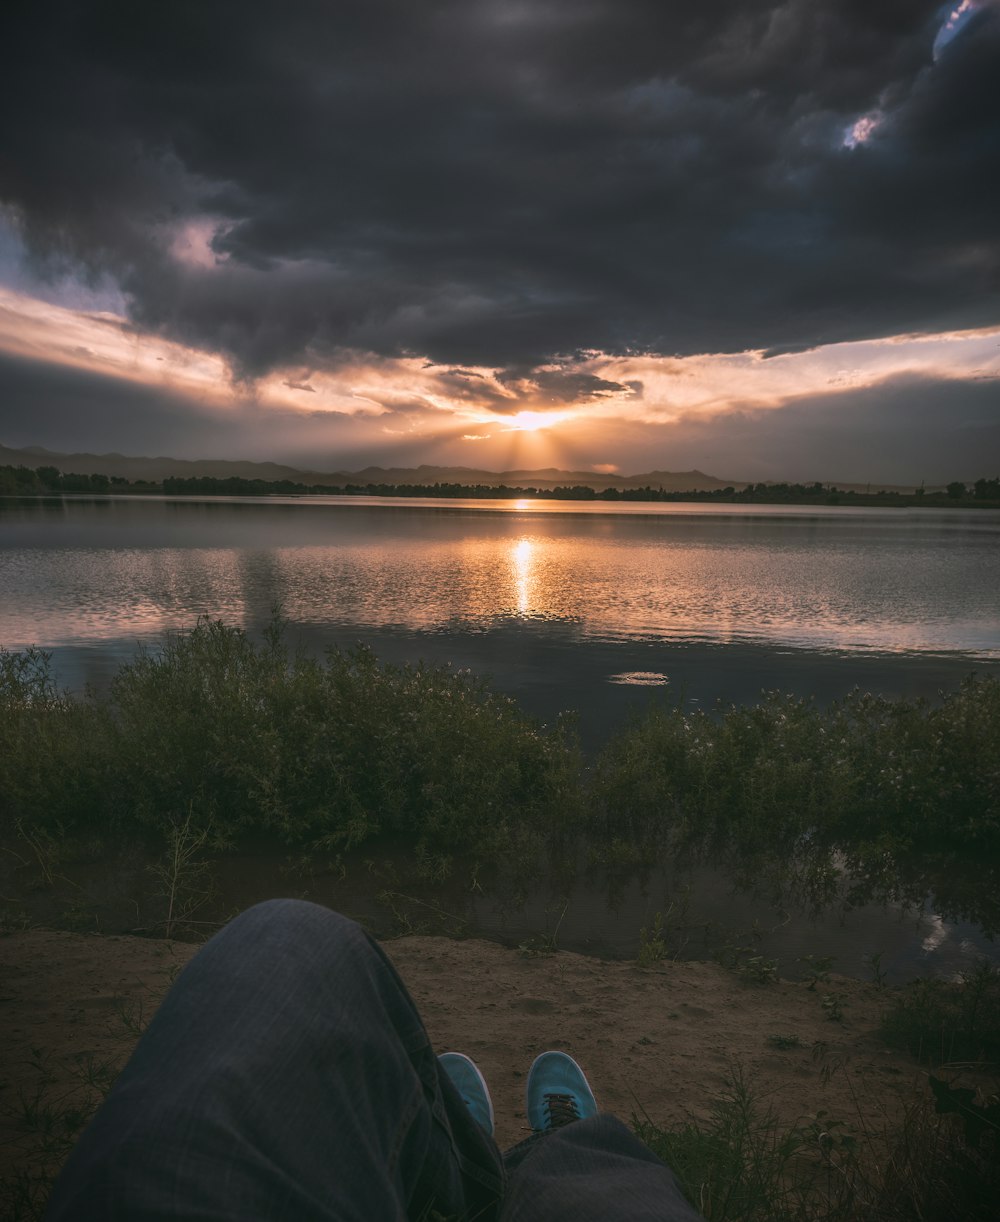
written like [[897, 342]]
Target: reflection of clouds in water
[[640, 678], [938, 934]]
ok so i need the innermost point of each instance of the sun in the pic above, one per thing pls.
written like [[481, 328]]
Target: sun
[[531, 422]]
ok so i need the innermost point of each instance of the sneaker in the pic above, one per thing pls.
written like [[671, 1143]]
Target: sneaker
[[558, 1093], [471, 1085]]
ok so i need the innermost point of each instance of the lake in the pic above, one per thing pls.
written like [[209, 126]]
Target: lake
[[567, 605]]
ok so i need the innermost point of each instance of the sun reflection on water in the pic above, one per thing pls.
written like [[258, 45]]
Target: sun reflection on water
[[886, 583], [522, 560]]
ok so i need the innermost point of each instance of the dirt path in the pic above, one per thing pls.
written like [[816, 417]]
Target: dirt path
[[661, 1041]]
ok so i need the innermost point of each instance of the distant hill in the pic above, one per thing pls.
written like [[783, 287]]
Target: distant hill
[[156, 469], [546, 477]]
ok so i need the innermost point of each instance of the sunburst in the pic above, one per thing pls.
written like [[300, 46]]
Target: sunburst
[[531, 422]]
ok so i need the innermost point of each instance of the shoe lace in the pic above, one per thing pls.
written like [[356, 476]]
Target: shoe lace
[[561, 1110]]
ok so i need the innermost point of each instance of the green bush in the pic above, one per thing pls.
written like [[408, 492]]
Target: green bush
[[245, 739], [868, 776], [52, 748]]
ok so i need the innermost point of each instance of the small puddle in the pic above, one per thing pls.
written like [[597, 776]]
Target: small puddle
[[702, 914]]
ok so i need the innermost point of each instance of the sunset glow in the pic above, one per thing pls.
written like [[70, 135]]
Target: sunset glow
[[708, 258], [531, 422]]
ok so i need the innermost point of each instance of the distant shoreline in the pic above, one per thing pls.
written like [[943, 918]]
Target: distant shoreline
[[44, 482]]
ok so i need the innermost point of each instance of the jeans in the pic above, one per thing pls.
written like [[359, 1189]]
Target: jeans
[[287, 1074]]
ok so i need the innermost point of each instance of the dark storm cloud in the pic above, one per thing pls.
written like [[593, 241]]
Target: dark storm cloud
[[500, 182], [64, 408], [71, 410]]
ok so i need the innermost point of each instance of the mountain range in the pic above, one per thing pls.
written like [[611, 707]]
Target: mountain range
[[156, 469]]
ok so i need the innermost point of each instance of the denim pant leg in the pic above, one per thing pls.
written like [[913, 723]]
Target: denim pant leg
[[591, 1171], [286, 1075]]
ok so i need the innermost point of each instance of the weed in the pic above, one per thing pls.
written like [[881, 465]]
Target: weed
[[873, 962], [816, 969], [741, 1164], [653, 947], [758, 969], [47, 847], [434, 918], [543, 943], [248, 739], [938, 1168], [327, 754], [131, 1013], [184, 878], [46, 1119], [666, 937], [939, 1021], [793, 791]]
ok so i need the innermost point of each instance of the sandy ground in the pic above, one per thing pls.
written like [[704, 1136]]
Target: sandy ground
[[659, 1041]]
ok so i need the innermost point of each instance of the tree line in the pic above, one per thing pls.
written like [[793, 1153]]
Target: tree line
[[41, 481]]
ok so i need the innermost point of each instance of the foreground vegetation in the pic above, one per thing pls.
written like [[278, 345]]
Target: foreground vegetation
[[234, 740], [891, 793], [238, 739], [214, 739]]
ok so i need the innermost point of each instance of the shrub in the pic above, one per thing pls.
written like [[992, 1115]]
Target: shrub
[[869, 777], [52, 748], [239, 738]]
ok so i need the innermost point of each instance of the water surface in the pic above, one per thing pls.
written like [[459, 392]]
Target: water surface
[[852, 580]]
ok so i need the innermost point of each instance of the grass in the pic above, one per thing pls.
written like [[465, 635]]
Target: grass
[[741, 1163], [940, 1021], [744, 1165], [46, 1117]]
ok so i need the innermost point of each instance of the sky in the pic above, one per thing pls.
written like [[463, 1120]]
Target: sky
[[758, 239]]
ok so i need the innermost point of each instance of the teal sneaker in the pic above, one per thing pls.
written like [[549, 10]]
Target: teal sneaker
[[558, 1093], [471, 1085]]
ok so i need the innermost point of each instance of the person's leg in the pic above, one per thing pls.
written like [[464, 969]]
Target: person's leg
[[591, 1171], [286, 1075], [582, 1166]]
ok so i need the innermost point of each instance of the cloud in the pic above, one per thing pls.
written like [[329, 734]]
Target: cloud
[[905, 429], [72, 409], [504, 185], [902, 429]]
